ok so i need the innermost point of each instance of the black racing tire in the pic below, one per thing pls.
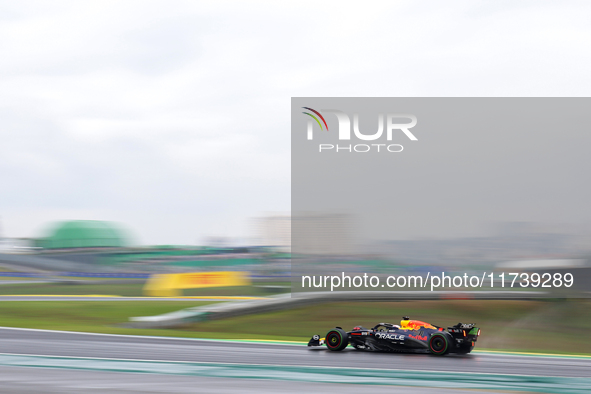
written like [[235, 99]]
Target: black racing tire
[[336, 339], [439, 344]]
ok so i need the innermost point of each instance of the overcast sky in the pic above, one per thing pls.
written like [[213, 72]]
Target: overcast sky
[[173, 117]]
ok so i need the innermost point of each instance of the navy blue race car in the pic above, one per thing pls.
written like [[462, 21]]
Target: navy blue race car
[[411, 336]]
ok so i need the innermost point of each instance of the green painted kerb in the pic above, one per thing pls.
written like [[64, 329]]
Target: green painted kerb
[[373, 376]]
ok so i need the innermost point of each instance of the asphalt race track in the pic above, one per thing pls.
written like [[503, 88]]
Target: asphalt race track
[[141, 348], [37, 380], [63, 344]]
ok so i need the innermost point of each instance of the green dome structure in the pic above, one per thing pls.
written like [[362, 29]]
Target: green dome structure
[[84, 234]]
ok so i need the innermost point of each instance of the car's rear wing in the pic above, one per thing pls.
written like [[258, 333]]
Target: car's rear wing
[[464, 330]]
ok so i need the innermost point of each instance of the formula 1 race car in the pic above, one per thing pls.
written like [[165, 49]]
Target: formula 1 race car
[[411, 336]]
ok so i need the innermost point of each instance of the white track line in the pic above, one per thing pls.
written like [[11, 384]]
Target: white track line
[[254, 341]]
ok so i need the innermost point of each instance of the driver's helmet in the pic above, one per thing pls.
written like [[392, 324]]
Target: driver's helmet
[[404, 322]]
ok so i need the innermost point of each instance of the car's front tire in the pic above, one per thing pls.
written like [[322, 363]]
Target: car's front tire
[[336, 339]]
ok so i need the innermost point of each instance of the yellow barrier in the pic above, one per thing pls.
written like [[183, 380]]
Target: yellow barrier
[[170, 285]]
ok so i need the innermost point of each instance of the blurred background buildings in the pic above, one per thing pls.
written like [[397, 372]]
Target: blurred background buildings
[[98, 246]]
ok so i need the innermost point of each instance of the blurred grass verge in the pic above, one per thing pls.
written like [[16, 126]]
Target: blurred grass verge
[[526, 326], [135, 289], [89, 316]]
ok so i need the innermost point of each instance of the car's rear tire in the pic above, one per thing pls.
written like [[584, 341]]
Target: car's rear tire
[[336, 339], [438, 344]]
